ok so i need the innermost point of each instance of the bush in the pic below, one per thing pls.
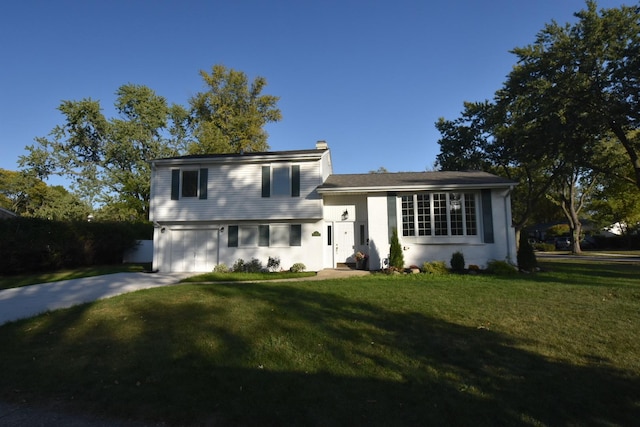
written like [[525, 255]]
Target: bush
[[254, 266], [545, 247], [457, 262], [298, 267], [396, 257], [221, 268], [33, 244], [435, 267], [238, 266], [273, 264], [526, 257], [501, 268]]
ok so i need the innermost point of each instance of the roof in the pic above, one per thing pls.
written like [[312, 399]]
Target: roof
[[244, 157], [5, 213], [410, 181]]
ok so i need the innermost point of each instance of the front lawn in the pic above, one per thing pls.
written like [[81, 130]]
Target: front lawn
[[555, 348]]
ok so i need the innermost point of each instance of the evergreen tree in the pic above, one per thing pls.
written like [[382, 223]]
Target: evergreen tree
[[396, 257]]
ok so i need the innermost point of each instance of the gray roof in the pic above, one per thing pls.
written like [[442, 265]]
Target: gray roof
[[256, 155], [407, 181]]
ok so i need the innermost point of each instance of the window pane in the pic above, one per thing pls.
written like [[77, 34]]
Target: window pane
[[281, 181], [249, 236], [455, 212], [440, 214], [408, 218], [189, 183], [424, 214], [279, 235], [470, 214]]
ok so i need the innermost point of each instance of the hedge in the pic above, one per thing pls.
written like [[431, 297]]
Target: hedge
[[32, 244]]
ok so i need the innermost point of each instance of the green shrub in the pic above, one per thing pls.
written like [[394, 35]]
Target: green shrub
[[457, 262], [298, 267], [526, 257], [273, 264], [501, 268], [396, 257], [221, 268], [238, 266], [253, 266], [545, 247], [435, 267]]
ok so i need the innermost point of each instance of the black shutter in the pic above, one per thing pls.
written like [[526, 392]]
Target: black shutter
[[487, 216], [295, 235], [266, 181], [175, 184], [233, 236], [295, 181], [263, 235], [204, 179]]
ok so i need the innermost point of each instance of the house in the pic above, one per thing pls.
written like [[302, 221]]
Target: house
[[214, 209]]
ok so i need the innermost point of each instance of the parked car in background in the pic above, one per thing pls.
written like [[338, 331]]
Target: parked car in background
[[563, 243]]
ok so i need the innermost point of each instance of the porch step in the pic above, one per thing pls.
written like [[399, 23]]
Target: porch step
[[345, 266]]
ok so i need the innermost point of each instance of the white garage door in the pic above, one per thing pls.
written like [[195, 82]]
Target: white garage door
[[192, 250]]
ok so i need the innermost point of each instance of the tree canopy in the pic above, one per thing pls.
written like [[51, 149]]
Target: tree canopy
[[107, 160], [569, 103]]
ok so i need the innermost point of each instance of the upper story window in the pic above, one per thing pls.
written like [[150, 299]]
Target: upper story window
[[439, 214], [281, 180], [189, 183]]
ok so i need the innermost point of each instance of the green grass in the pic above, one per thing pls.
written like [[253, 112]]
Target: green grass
[[18, 280], [246, 277], [559, 347]]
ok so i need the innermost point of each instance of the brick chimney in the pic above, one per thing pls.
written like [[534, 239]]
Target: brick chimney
[[322, 145]]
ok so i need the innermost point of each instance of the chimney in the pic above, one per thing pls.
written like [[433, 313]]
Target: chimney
[[322, 145]]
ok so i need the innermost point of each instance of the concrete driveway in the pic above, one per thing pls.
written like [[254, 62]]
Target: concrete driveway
[[28, 301]]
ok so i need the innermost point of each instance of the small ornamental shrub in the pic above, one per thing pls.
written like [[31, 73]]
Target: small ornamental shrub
[[396, 257], [298, 267], [253, 266], [545, 247], [273, 264], [435, 267], [221, 268], [501, 268], [526, 257], [238, 266], [457, 262]]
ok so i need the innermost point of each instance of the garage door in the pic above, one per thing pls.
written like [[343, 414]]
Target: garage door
[[192, 250]]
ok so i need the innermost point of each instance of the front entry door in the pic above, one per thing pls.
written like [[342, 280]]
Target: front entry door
[[344, 242]]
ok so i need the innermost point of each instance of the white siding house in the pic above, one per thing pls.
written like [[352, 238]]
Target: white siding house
[[214, 209]]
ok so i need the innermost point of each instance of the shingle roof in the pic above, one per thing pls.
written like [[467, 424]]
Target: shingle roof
[[257, 154], [412, 180]]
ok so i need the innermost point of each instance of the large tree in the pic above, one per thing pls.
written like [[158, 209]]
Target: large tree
[[582, 82], [570, 90], [230, 116], [107, 159], [28, 196]]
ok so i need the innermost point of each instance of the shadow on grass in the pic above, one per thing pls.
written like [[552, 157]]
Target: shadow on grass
[[192, 361]]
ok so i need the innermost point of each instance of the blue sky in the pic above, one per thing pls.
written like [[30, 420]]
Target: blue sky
[[369, 77]]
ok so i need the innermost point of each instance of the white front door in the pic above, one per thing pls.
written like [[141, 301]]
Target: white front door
[[343, 242]]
